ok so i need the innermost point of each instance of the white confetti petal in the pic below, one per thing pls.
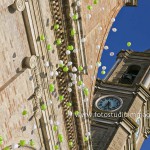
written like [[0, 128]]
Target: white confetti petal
[[74, 82], [79, 87], [88, 16], [57, 123], [69, 63], [69, 113], [51, 73], [74, 69], [98, 47], [71, 14], [70, 84], [61, 62], [15, 146], [70, 74], [111, 53], [68, 52], [69, 89], [83, 40], [86, 100], [46, 64], [51, 122], [98, 64], [49, 102], [113, 20], [88, 134], [34, 127], [75, 50], [100, 28], [56, 73], [79, 3], [104, 68], [114, 29], [106, 47], [90, 66], [83, 85]]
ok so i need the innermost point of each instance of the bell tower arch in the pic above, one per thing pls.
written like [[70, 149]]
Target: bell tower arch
[[121, 104]]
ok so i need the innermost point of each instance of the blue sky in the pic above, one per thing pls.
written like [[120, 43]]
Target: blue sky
[[133, 25]]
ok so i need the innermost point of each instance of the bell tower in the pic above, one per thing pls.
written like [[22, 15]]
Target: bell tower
[[121, 104]]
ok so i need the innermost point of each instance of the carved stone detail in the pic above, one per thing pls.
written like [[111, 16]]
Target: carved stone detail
[[19, 5], [30, 62], [38, 114], [38, 93]]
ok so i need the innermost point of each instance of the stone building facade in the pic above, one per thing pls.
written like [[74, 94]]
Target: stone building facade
[[35, 98]]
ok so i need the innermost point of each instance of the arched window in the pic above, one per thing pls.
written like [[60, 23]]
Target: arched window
[[131, 73]]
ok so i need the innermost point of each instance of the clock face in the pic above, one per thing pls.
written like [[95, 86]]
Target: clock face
[[109, 103]]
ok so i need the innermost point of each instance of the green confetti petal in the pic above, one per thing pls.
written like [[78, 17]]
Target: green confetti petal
[[65, 69], [49, 47], [56, 147], [22, 143], [70, 143], [70, 47], [43, 107], [61, 98], [86, 139], [7, 148], [51, 88], [1, 142], [73, 32], [76, 113], [129, 44], [58, 42], [80, 68], [24, 112], [86, 91], [80, 82], [69, 104], [55, 128], [32, 143], [61, 65], [60, 137], [1, 138], [103, 72], [42, 37], [56, 26], [75, 17], [89, 7], [96, 1]]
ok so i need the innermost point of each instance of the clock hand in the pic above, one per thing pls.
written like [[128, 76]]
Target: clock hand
[[106, 104], [109, 104]]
